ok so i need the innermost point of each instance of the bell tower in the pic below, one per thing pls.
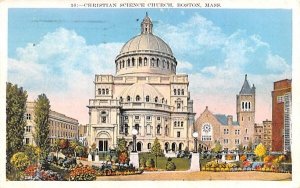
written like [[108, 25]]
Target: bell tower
[[245, 108]]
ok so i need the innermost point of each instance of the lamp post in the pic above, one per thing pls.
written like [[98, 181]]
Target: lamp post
[[134, 133], [195, 135]]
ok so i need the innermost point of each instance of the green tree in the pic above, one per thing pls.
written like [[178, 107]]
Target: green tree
[[15, 120], [41, 120], [260, 151], [217, 148], [156, 150], [122, 150]]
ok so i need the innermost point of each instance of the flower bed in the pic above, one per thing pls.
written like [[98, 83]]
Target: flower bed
[[116, 170], [82, 173]]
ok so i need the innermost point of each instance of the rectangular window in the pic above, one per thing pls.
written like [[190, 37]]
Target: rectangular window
[[279, 99], [137, 117], [237, 141], [158, 118], [206, 138], [28, 129], [178, 134], [225, 141], [148, 118], [28, 116], [26, 140], [103, 119]]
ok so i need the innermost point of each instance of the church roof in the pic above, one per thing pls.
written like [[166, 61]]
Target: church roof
[[222, 118], [246, 89]]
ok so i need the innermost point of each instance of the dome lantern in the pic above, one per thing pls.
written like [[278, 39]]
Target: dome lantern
[[146, 25]]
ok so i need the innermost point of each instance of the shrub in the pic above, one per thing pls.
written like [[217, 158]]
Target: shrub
[[169, 159], [243, 158], [30, 170], [84, 173], [114, 159], [142, 162], [20, 160], [170, 166], [123, 157], [150, 163], [108, 158]]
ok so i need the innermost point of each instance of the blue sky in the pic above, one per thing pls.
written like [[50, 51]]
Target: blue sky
[[58, 51]]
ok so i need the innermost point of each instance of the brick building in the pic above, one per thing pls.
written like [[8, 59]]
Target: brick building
[[281, 111]]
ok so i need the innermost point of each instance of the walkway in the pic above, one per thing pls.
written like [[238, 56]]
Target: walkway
[[190, 176]]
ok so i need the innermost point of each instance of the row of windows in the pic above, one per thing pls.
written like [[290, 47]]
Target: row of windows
[[178, 91], [28, 129], [144, 62], [148, 118], [124, 129], [246, 106], [62, 133], [60, 125], [206, 138], [237, 141], [28, 116], [178, 123], [103, 91], [147, 99]]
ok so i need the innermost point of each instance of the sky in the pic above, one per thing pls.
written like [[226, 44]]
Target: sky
[[59, 51]]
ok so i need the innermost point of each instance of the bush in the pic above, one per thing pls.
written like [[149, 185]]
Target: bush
[[114, 159], [20, 160], [142, 162], [150, 163], [84, 173], [170, 166]]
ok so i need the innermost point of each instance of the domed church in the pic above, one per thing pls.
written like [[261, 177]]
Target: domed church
[[145, 94]]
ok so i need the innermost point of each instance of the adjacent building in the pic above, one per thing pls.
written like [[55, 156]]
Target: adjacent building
[[61, 126], [214, 128], [145, 94], [281, 115], [263, 134]]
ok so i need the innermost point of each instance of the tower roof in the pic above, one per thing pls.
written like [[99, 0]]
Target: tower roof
[[246, 89]]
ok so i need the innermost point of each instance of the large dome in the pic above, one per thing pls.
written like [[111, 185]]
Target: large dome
[[146, 42], [145, 54]]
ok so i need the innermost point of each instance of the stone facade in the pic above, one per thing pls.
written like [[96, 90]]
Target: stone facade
[[214, 128], [263, 134], [61, 126], [145, 94]]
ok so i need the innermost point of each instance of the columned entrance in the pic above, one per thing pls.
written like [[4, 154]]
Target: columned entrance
[[166, 147], [103, 141], [103, 145]]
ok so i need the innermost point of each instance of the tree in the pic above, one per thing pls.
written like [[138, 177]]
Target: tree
[[260, 151], [250, 145], [41, 120], [15, 120], [217, 148], [122, 150], [156, 150]]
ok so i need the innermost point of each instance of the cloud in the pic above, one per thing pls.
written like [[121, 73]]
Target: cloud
[[184, 65], [219, 62], [63, 66]]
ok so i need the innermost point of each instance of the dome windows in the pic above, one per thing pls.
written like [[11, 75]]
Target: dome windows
[[147, 98], [128, 98], [133, 62], [145, 61], [156, 99], [137, 98], [103, 91], [140, 61]]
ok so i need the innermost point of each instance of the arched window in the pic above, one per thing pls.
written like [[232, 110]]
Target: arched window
[[140, 61], [182, 124], [145, 61], [99, 91], [123, 63], [178, 105], [107, 91], [168, 65], [156, 99], [175, 123], [158, 129], [162, 100], [174, 91], [249, 105], [166, 130], [133, 62], [163, 63], [120, 64], [103, 91], [182, 91], [149, 145], [157, 62], [147, 98], [152, 62], [103, 117], [128, 98], [243, 106], [128, 62], [246, 106], [137, 98], [178, 91], [121, 99], [137, 127]]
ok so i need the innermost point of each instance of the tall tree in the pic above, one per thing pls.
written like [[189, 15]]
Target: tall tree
[[41, 120], [15, 120], [156, 150]]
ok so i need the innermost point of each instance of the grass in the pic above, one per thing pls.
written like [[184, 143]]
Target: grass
[[181, 163]]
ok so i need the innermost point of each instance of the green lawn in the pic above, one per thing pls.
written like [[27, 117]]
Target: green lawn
[[181, 163]]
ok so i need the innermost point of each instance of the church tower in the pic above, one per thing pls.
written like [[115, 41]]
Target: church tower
[[245, 108]]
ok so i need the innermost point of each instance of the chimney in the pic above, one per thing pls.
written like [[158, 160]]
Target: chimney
[[229, 119]]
